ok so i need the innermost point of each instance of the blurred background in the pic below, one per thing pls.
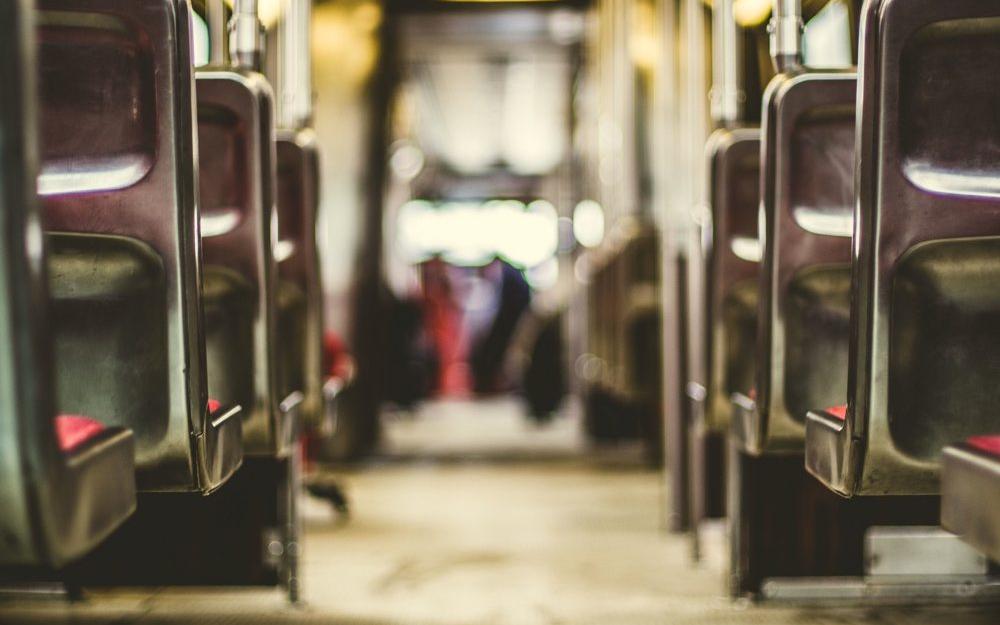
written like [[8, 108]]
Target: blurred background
[[483, 160]]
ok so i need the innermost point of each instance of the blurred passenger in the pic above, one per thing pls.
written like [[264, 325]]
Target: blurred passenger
[[411, 366], [544, 377], [489, 351], [443, 324]]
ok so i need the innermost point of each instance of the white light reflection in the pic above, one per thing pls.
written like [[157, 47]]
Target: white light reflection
[[544, 276], [472, 234], [588, 223], [826, 42], [747, 248], [534, 116]]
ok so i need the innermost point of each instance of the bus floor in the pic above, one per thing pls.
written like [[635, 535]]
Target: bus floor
[[531, 534]]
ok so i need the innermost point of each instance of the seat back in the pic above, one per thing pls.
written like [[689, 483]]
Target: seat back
[[300, 291], [629, 279], [731, 257], [602, 304], [806, 214], [640, 311], [118, 182], [603, 370], [925, 351], [237, 194], [58, 502], [639, 335]]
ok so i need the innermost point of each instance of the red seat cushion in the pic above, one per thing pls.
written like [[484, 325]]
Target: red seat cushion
[[337, 361], [839, 412], [213, 405], [74, 430], [986, 444]]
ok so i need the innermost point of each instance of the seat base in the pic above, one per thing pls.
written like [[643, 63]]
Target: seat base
[[786, 525], [234, 537]]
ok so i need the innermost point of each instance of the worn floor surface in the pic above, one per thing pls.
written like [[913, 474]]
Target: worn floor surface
[[526, 536]]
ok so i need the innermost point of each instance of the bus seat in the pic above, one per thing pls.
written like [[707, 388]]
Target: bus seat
[[117, 185], [237, 190], [300, 297], [605, 411], [638, 268], [923, 353], [640, 336], [722, 320], [731, 266], [67, 482], [620, 296], [806, 208], [970, 488]]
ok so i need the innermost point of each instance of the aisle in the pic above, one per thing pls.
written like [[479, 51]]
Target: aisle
[[553, 542], [492, 430]]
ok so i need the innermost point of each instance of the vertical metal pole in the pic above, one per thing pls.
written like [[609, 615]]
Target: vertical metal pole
[[216, 14], [786, 28], [288, 497], [727, 63], [696, 470], [668, 199], [734, 511], [293, 67], [245, 34], [293, 545], [697, 125], [304, 85]]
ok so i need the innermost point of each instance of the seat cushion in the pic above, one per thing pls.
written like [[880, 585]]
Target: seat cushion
[[74, 430], [213, 405], [986, 444], [337, 361], [840, 412]]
